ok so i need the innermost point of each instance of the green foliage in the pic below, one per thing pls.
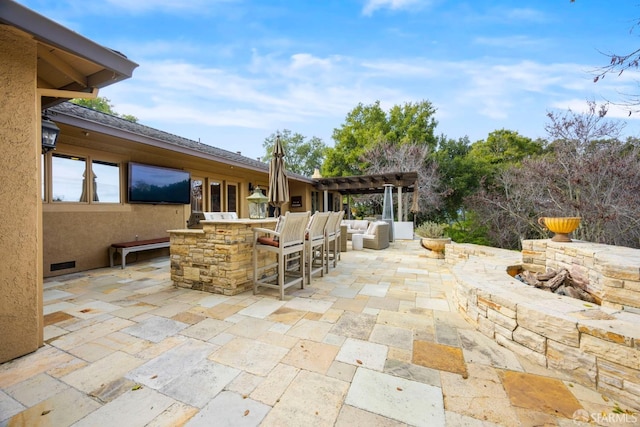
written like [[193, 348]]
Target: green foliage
[[503, 148], [103, 105], [431, 229], [460, 175], [129, 118], [363, 125], [368, 125], [300, 156], [506, 146], [412, 123], [469, 230], [466, 169]]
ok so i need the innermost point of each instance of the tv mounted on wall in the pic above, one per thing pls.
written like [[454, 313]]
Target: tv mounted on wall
[[156, 184]]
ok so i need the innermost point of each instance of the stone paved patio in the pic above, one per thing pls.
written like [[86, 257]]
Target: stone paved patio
[[376, 342]]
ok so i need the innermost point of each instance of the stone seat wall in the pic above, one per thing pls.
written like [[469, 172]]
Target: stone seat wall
[[595, 346]]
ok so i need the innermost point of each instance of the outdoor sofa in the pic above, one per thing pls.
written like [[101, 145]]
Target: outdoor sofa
[[355, 226]]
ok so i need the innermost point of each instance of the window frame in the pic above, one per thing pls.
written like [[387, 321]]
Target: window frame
[[89, 157]]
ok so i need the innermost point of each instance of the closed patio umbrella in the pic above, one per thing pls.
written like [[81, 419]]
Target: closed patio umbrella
[[278, 182], [414, 203]]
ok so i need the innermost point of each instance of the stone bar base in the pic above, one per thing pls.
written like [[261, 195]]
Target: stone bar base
[[595, 346], [216, 258]]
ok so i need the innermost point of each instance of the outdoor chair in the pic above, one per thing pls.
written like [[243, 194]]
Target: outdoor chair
[[376, 236], [332, 239], [288, 245], [314, 241]]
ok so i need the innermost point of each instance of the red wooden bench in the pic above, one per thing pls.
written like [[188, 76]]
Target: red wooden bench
[[136, 246]]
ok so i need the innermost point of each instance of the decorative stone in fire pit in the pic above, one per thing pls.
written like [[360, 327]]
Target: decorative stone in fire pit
[[559, 282]]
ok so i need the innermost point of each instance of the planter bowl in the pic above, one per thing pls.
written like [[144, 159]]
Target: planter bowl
[[560, 226], [435, 246]]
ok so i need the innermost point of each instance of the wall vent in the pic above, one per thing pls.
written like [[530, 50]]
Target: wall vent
[[63, 265]]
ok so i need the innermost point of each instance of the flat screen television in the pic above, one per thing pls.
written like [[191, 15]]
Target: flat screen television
[[158, 185]]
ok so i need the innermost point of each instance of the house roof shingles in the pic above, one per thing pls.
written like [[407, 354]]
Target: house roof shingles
[[77, 115]]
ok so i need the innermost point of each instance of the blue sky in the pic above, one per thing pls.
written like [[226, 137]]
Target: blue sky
[[232, 72]]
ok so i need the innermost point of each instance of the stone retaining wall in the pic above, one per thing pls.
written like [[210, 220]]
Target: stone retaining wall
[[595, 346]]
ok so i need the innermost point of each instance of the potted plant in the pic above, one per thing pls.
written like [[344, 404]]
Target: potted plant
[[432, 238]]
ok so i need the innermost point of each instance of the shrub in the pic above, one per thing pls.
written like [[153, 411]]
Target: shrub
[[431, 229]]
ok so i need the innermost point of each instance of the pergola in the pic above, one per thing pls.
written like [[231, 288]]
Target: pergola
[[369, 184]]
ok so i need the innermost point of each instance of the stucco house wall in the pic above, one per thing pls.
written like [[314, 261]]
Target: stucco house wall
[[77, 235], [20, 207]]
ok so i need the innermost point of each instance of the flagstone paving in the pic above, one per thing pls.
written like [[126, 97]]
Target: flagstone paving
[[372, 343]]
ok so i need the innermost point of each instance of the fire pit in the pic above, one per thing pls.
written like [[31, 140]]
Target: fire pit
[[559, 282], [593, 345]]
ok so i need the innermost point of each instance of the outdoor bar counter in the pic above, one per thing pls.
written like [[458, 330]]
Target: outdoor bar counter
[[218, 257]]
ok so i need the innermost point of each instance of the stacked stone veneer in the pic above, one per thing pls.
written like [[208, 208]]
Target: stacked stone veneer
[[593, 345], [216, 258], [612, 273]]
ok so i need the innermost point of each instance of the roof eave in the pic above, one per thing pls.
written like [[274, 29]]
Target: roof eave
[[50, 32]]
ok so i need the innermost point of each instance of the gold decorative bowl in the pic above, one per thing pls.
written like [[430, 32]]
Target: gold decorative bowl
[[561, 226]]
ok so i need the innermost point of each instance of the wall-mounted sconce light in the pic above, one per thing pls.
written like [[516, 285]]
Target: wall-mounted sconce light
[[50, 134]]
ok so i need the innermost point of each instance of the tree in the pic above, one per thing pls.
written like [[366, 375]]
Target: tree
[[506, 146], [577, 132], [103, 105], [412, 123], [368, 125], [502, 148], [301, 156], [459, 174], [595, 176], [588, 173], [411, 157]]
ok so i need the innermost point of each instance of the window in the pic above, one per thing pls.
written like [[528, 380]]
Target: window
[[196, 195], [105, 186], [80, 180], [67, 178], [232, 198], [216, 197]]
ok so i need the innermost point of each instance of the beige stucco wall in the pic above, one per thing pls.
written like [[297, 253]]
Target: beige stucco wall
[[84, 237], [20, 212]]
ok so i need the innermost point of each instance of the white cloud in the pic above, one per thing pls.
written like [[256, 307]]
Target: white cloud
[[373, 5], [526, 15], [139, 6], [312, 94], [305, 60], [511, 42]]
